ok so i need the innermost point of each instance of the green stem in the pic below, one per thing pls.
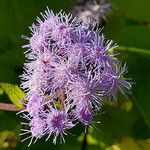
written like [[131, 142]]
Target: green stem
[[133, 49], [84, 143]]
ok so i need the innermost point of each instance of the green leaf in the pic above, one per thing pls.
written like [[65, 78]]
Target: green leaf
[[7, 139], [115, 124], [127, 142], [1, 91], [134, 9], [14, 93], [134, 36], [138, 61], [123, 32]]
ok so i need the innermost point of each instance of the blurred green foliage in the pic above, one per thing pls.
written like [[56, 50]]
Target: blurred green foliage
[[15, 94], [125, 124]]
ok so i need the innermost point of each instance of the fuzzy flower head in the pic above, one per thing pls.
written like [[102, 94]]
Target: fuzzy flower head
[[34, 105], [68, 71], [91, 11], [58, 122], [84, 114], [37, 127]]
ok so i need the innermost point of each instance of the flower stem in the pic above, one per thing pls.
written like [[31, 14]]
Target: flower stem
[[84, 143], [9, 107], [62, 98]]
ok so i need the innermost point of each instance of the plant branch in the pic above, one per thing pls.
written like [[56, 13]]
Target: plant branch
[[9, 107], [62, 98], [133, 49], [84, 143]]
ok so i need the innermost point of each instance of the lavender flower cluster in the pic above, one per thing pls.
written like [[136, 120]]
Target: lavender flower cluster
[[69, 70], [91, 11]]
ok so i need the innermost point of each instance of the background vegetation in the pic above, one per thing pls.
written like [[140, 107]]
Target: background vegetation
[[125, 124]]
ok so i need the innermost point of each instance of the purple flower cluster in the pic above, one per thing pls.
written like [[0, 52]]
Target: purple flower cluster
[[69, 70], [91, 11]]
